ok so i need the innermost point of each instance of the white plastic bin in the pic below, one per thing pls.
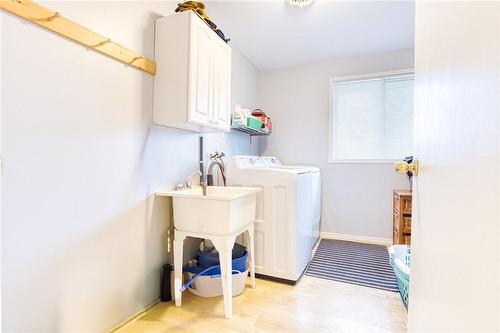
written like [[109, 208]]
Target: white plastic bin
[[211, 286]]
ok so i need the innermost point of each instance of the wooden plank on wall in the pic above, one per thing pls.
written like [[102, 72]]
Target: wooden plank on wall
[[55, 22]]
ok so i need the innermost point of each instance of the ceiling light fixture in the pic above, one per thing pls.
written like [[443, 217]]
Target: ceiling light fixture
[[300, 3]]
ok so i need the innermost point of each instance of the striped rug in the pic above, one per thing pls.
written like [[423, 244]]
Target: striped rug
[[357, 263]]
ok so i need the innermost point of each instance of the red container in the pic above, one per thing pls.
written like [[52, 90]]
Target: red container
[[261, 115]]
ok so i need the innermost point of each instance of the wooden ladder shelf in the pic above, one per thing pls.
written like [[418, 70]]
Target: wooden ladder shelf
[[55, 22]]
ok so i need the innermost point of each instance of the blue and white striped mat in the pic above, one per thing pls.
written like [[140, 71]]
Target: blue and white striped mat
[[357, 263]]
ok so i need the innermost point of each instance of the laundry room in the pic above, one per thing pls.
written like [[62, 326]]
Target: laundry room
[[249, 166]]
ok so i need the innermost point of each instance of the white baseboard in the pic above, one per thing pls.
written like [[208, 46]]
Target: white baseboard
[[126, 321], [356, 238]]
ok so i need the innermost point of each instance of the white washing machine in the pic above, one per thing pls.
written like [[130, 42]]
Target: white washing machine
[[288, 212]]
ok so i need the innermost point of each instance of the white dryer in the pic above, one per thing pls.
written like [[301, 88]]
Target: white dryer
[[288, 212]]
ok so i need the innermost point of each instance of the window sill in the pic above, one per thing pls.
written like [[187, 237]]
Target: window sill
[[338, 161]]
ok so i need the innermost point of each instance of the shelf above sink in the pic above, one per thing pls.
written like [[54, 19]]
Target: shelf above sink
[[249, 130]]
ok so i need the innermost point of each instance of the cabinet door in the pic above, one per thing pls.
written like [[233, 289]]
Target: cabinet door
[[221, 84], [200, 103]]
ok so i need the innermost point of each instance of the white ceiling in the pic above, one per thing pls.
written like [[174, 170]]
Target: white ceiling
[[272, 34]]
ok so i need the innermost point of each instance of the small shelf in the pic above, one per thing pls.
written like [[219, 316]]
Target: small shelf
[[249, 130]]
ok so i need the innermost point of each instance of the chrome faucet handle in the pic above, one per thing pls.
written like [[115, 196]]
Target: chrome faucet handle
[[216, 156], [187, 183], [184, 185]]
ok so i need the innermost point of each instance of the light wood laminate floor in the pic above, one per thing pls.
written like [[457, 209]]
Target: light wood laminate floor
[[312, 305]]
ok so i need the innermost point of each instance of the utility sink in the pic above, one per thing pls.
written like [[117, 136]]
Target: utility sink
[[222, 211]]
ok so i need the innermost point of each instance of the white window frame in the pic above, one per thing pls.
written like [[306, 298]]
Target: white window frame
[[333, 80]]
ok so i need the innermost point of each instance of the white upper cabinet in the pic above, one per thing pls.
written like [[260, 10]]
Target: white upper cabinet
[[192, 86]]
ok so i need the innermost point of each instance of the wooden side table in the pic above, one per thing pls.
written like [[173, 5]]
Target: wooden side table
[[401, 217]]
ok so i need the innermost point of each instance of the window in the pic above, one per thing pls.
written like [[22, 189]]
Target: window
[[371, 117]]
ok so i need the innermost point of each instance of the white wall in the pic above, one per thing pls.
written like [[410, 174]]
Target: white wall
[[81, 246], [356, 197], [455, 268]]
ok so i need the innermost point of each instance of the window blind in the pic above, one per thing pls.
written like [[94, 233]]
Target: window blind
[[373, 118]]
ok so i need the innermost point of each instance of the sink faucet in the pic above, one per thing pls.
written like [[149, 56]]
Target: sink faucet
[[216, 160], [186, 183]]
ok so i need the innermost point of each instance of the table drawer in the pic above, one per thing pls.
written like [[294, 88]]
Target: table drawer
[[405, 205], [406, 224]]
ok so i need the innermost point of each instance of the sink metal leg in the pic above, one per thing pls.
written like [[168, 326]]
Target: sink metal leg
[[225, 248], [227, 282], [251, 245], [178, 259]]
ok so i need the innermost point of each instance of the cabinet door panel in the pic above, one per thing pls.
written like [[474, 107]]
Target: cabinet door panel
[[221, 84], [200, 73]]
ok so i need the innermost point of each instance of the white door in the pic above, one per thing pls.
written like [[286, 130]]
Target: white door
[[454, 280], [200, 73], [221, 84]]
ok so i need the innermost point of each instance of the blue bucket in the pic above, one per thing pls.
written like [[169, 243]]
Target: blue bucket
[[239, 265], [205, 261]]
